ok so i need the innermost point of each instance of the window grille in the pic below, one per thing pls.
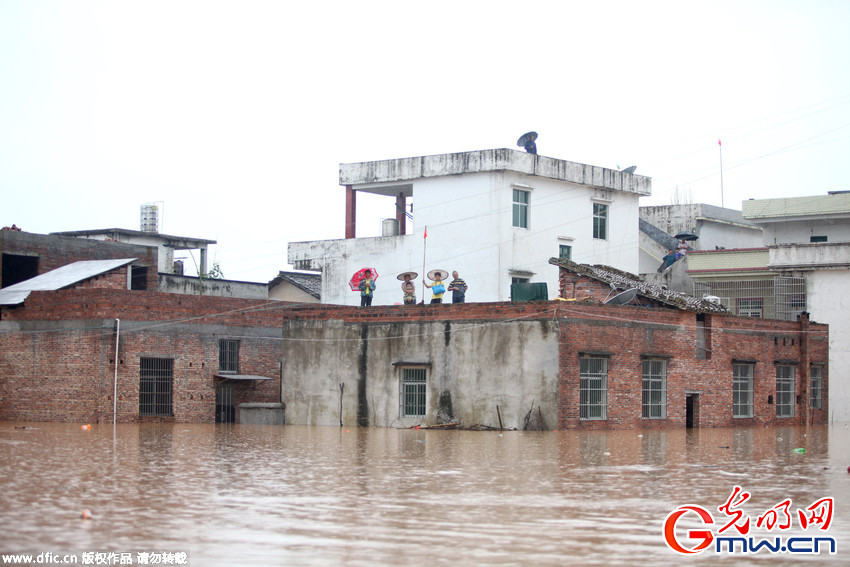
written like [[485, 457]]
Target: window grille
[[816, 387], [228, 356], [781, 297], [593, 388], [750, 307], [600, 221], [412, 392], [654, 389], [742, 390], [155, 384], [521, 199], [784, 391]]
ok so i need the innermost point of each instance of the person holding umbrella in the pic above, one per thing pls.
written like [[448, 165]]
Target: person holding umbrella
[[367, 288]]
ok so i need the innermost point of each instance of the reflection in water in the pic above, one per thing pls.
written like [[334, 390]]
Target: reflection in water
[[252, 495]]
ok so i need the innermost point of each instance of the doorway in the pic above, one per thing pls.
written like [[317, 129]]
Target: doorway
[[225, 412], [691, 410]]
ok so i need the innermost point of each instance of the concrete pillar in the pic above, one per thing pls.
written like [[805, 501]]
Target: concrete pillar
[[350, 212], [400, 204], [203, 266]]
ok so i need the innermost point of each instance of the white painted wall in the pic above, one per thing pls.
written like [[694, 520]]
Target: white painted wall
[[829, 302], [469, 220], [795, 231]]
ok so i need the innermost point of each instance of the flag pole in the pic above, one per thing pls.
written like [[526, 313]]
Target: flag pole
[[424, 247], [720, 148]]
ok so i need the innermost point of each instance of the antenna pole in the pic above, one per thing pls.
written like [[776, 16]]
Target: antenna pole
[[720, 148], [424, 247]]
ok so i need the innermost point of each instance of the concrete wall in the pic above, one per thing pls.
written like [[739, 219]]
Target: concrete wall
[[829, 302], [187, 285], [788, 231], [472, 367]]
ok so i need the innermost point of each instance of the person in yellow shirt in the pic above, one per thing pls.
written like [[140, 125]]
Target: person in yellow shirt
[[437, 288]]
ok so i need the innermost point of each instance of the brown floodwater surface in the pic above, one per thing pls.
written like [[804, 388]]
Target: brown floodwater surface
[[265, 495]]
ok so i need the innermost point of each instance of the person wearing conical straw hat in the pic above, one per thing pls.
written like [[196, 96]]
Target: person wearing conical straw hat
[[438, 288], [407, 287]]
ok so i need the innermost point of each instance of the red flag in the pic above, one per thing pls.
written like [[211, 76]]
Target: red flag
[[426, 232], [718, 142]]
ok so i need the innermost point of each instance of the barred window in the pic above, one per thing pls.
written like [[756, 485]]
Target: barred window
[[228, 356], [593, 388], [654, 389], [816, 387], [412, 392], [742, 390], [784, 391], [155, 383]]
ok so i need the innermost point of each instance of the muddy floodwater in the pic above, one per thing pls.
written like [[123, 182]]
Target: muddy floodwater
[[265, 495]]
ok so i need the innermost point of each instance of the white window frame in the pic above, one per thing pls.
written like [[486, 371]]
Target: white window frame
[[654, 389], [600, 220], [785, 390], [521, 211], [593, 388], [816, 387], [742, 389]]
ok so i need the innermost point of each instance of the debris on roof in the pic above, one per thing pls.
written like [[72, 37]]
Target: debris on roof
[[624, 280]]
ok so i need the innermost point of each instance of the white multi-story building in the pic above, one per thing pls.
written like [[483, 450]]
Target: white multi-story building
[[804, 265], [495, 216]]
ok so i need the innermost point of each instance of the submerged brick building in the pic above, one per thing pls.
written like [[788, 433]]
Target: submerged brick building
[[664, 360], [661, 359]]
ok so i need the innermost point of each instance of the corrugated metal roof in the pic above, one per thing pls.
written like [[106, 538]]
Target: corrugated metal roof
[[60, 277], [818, 205]]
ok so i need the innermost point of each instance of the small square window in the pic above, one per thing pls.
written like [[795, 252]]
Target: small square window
[[565, 252]]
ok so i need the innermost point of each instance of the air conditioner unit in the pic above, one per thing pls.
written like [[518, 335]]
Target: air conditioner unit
[[712, 299]]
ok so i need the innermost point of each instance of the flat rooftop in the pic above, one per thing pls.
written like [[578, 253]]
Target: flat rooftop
[[393, 176]]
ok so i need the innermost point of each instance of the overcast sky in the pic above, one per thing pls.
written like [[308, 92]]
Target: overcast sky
[[236, 115]]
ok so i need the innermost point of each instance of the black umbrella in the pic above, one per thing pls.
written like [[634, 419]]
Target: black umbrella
[[686, 235]]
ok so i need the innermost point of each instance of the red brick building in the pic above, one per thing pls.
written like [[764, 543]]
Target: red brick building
[[662, 360]]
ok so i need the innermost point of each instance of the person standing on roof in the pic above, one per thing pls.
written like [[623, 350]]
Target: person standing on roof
[[458, 288], [367, 287], [437, 288]]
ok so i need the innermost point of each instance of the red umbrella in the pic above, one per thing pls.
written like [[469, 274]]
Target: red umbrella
[[354, 283]]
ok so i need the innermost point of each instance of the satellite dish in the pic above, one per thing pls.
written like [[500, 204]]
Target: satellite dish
[[630, 169], [622, 298]]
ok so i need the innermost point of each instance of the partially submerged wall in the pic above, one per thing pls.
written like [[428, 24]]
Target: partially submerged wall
[[348, 373]]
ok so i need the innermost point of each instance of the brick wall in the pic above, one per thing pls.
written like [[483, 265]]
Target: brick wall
[[52, 368], [55, 251], [57, 352]]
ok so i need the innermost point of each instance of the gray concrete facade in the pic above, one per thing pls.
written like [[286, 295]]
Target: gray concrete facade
[[337, 373]]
